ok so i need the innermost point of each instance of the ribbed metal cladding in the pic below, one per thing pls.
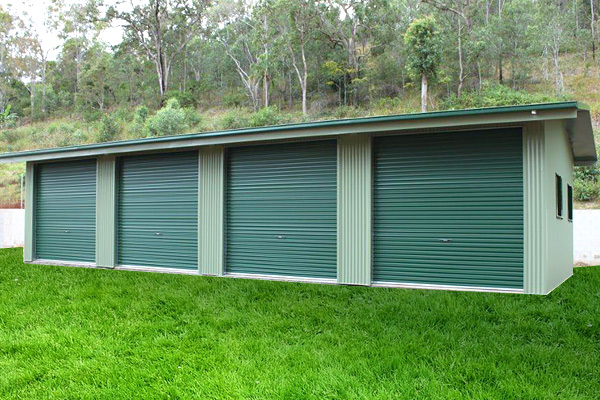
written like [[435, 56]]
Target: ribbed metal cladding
[[535, 210], [281, 210], [354, 209], [105, 212], [158, 210], [29, 240], [65, 211], [448, 209], [212, 181]]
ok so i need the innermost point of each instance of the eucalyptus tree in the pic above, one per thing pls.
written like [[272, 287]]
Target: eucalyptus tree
[[423, 53], [163, 29], [241, 27], [297, 26]]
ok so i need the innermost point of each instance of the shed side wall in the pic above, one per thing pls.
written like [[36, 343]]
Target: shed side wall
[[559, 160]]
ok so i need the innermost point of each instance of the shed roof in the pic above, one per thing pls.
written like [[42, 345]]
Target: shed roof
[[576, 115]]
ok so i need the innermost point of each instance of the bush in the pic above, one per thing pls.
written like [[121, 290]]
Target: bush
[[109, 128], [192, 118], [493, 96], [91, 115], [586, 190], [169, 120], [235, 99], [140, 115], [267, 116], [123, 114], [586, 185], [234, 119], [185, 99]]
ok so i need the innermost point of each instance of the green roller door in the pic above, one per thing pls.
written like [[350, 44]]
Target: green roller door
[[281, 210], [158, 210], [448, 209], [65, 211]]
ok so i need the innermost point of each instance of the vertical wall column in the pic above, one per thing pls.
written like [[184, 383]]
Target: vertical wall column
[[354, 209], [211, 197], [534, 210], [29, 245], [106, 194]]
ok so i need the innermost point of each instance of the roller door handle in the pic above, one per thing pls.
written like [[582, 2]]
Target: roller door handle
[[67, 231], [157, 234], [280, 237], [445, 240]]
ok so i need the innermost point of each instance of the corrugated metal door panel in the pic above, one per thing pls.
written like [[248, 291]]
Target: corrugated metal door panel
[[65, 211], [158, 210], [466, 187], [281, 209]]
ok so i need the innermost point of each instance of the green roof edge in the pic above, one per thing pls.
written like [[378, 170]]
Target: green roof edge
[[305, 125]]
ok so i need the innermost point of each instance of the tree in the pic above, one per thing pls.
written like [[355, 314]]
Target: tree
[[423, 53], [296, 27], [163, 28], [245, 40]]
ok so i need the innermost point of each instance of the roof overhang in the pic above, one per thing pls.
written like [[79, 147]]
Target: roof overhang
[[581, 136], [577, 117]]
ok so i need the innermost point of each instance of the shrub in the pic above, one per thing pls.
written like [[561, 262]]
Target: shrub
[[123, 114], [169, 120], [140, 115], [234, 119], [586, 190], [192, 118], [185, 99], [235, 99], [494, 95], [109, 128], [267, 116], [586, 185]]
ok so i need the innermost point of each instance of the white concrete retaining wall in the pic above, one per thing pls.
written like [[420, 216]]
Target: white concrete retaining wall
[[586, 237], [12, 228]]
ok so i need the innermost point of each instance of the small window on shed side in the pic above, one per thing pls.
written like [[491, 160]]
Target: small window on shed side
[[570, 202], [559, 197]]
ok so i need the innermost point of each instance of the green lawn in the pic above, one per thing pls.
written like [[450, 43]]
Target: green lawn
[[88, 333]]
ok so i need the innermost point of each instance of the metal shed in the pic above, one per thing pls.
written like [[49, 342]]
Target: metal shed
[[476, 199]]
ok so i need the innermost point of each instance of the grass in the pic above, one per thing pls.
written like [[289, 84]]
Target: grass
[[72, 333]]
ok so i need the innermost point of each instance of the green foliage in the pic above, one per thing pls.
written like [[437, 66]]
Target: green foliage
[[495, 95], [169, 120], [185, 99], [586, 184], [109, 128], [267, 116], [234, 119], [191, 337], [141, 114], [234, 99], [421, 40]]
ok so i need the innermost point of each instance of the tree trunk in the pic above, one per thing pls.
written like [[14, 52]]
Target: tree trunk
[[593, 30], [266, 89], [461, 75], [424, 93]]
